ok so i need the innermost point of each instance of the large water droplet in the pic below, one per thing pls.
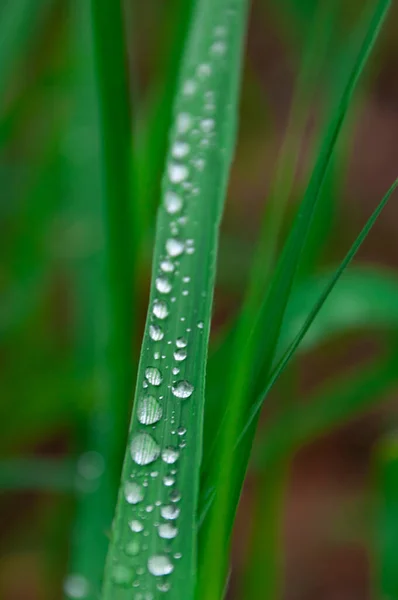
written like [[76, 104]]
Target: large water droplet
[[167, 531], [177, 172], [149, 410], [76, 586], [153, 375], [173, 203], [182, 389], [170, 455], [169, 512], [163, 285], [133, 492], [180, 354], [181, 342], [144, 449], [160, 564], [136, 526], [156, 333], [160, 309], [174, 247]]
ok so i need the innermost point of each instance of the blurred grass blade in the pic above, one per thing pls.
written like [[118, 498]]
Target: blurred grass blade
[[99, 147], [258, 354], [386, 463], [39, 474], [160, 480]]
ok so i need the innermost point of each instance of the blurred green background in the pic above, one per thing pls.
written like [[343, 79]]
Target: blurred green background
[[339, 496]]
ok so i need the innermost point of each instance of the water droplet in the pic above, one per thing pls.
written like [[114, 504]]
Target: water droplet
[[220, 31], [170, 455], [218, 48], [177, 172], [160, 564], [132, 548], [181, 342], [163, 285], [184, 122], [180, 354], [149, 410], [156, 355], [173, 203], [175, 496], [207, 125], [167, 266], [189, 87], [121, 574], [136, 526], [177, 555], [156, 333], [175, 370], [76, 586], [204, 70], [164, 586], [201, 325], [144, 449], [174, 247], [186, 279], [169, 512], [133, 492], [149, 508], [153, 375], [168, 480], [181, 430], [167, 531], [182, 389], [180, 149], [160, 309]]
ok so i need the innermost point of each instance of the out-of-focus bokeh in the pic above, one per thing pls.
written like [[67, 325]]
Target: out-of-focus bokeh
[[329, 504]]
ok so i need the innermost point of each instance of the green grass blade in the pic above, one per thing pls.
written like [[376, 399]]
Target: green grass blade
[[216, 530], [387, 517], [160, 477]]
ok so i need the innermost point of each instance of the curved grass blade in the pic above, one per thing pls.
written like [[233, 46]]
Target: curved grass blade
[[153, 546], [245, 384]]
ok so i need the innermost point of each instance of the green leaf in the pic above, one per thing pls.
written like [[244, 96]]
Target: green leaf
[[160, 477]]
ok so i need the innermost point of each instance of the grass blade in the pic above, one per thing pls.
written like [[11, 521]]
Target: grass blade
[[160, 477]]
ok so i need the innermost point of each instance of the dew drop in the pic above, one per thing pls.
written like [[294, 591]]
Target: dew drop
[[180, 149], [175, 496], [177, 172], [207, 125], [133, 492], [167, 531], [167, 266], [182, 389], [180, 354], [173, 203], [136, 526], [200, 325], [181, 342], [144, 449], [121, 574], [163, 285], [204, 70], [184, 122], [169, 512], [218, 48], [76, 586], [189, 87], [149, 410], [181, 430], [153, 375], [174, 247], [164, 586], [132, 548], [175, 370], [160, 309], [170, 455], [168, 480], [160, 564], [186, 279], [156, 333]]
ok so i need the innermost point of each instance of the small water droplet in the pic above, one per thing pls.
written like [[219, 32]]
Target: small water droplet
[[168, 480], [153, 375], [207, 125], [189, 87], [180, 354], [164, 586], [201, 325], [177, 555], [182, 389], [181, 342], [160, 564], [180, 149], [167, 266], [204, 70], [149, 410], [121, 575], [160, 309], [133, 492], [132, 548], [186, 279], [136, 526], [175, 370], [170, 455], [163, 285], [175, 496], [181, 430], [174, 247], [218, 48], [173, 203], [156, 333], [167, 531], [177, 172], [156, 355], [76, 586], [144, 449], [169, 512], [184, 122]]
